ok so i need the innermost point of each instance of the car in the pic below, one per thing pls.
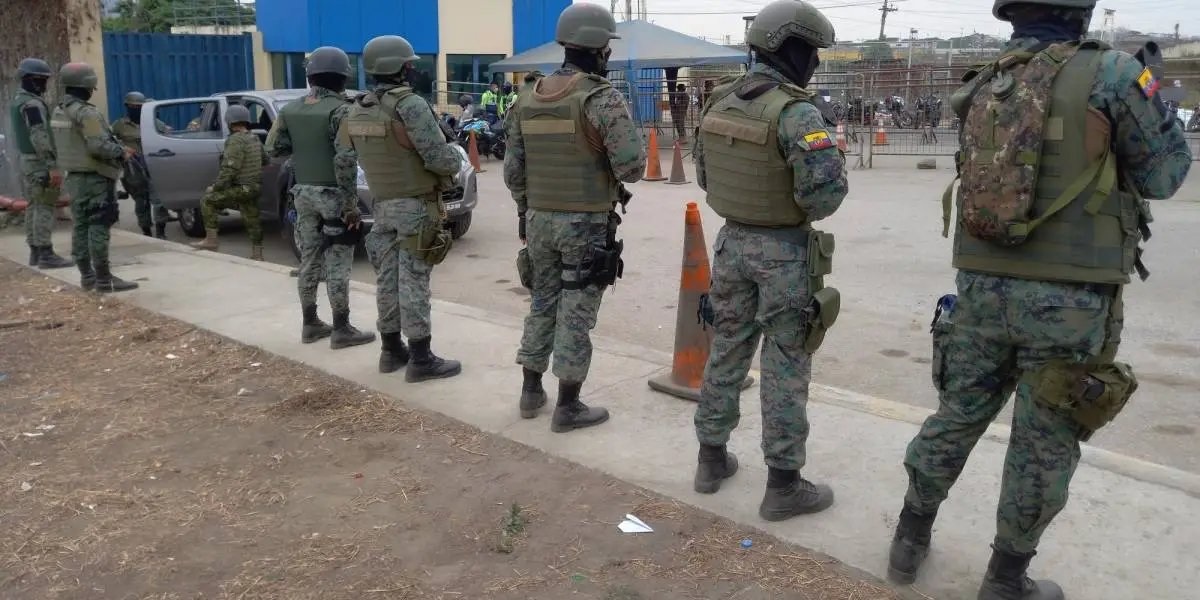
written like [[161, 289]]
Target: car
[[184, 158]]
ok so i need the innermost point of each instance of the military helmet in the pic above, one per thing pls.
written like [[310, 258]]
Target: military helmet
[[328, 59], [135, 99], [387, 55], [585, 26], [236, 113], [33, 66], [784, 19], [999, 9], [78, 75]]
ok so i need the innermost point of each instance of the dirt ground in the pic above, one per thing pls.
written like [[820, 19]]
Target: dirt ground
[[143, 458]]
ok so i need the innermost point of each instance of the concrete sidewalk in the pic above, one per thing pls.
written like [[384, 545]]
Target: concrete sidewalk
[[1129, 530]]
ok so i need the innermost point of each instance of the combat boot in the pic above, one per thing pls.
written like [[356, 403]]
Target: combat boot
[[1006, 580], [533, 395], [314, 328], [35, 253], [87, 276], [146, 232], [209, 242], [910, 545], [107, 283], [160, 231], [789, 495], [346, 335], [47, 259], [426, 365], [394, 353], [256, 252], [573, 414], [714, 465]]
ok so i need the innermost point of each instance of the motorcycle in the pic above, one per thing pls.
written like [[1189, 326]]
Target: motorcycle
[[489, 136]]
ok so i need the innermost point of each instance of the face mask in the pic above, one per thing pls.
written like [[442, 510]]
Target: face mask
[[134, 113], [34, 85], [602, 62], [81, 93]]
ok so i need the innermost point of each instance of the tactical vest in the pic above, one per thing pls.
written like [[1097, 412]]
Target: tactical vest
[[393, 167], [1084, 228], [20, 131], [250, 169], [73, 155], [566, 162], [129, 133], [749, 180], [312, 149]]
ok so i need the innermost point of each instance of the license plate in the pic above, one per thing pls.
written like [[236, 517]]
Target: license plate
[[453, 205]]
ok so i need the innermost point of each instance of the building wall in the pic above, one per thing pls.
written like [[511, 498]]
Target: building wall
[[471, 27], [534, 21], [301, 25]]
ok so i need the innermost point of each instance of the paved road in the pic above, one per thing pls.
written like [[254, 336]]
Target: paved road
[[891, 265]]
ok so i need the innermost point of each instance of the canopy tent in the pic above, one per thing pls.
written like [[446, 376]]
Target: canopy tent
[[643, 45]]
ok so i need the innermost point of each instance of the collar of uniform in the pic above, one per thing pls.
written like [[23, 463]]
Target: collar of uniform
[[767, 71], [320, 92], [1022, 43], [568, 69]]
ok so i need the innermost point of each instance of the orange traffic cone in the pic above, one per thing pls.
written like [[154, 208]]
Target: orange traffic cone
[[473, 154], [692, 338], [841, 135], [677, 175], [653, 166], [881, 136]]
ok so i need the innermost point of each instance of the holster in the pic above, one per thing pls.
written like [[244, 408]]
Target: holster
[[107, 213], [825, 303], [337, 234], [1091, 394], [602, 264], [524, 268]]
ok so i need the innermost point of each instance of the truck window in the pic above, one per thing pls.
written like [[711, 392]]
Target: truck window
[[191, 120]]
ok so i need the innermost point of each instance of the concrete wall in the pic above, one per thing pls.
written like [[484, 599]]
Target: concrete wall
[[473, 27], [263, 74]]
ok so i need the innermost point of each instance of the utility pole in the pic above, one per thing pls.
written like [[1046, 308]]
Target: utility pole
[[1177, 32], [628, 10], [885, 9]]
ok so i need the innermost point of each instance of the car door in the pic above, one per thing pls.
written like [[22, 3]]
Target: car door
[[182, 142]]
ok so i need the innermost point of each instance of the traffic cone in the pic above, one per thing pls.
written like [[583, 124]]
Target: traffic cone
[[677, 175], [841, 136], [881, 136], [473, 154], [653, 166], [692, 338]]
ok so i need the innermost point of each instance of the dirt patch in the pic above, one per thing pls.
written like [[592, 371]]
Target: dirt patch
[[142, 458]]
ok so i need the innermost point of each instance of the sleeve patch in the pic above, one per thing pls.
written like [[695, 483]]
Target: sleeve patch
[[1148, 83], [33, 116], [818, 140]]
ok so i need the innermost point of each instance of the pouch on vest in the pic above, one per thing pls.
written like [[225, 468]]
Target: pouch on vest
[[524, 268], [1093, 395], [431, 244], [825, 303]]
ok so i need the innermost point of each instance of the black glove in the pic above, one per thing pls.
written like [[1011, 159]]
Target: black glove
[[521, 226]]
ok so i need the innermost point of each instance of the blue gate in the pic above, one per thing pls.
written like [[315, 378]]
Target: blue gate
[[164, 66]]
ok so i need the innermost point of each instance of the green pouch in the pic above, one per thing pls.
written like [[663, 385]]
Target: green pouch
[[434, 245], [524, 269], [1093, 395], [822, 311], [820, 255]]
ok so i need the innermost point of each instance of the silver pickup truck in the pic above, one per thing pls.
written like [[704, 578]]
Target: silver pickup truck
[[184, 157]]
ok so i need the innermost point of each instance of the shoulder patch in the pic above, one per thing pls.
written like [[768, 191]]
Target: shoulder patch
[[33, 115], [818, 140], [1148, 83]]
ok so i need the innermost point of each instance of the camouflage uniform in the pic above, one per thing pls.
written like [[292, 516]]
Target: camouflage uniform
[[35, 169], [238, 185], [136, 177]]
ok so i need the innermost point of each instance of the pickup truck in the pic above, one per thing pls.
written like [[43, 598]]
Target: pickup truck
[[184, 158]]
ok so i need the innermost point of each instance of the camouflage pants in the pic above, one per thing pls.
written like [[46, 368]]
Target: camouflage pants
[[560, 320], [91, 194], [1001, 329], [39, 217], [759, 288], [242, 198], [146, 205], [314, 203], [402, 280]]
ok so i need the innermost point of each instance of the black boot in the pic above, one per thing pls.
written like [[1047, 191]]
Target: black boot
[[533, 395], [107, 283], [314, 328], [146, 231], [346, 335], [714, 465], [35, 253], [160, 231], [573, 414], [425, 365], [789, 494], [910, 545], [49, 260], [394, 354], [1006, 580], [87, 276]]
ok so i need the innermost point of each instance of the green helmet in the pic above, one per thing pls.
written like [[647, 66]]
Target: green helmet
[[236, 113], [33, 66], [999, 8], [387, 55], [585, 26], [784, 19], [328, 59], [135, 99], [79, 75]]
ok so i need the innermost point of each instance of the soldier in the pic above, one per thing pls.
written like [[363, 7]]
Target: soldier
[[326, 193], [238, 185], [136, 178], [91, 155], [566, 187], [408, 161], [1074, 133], [767, 159], [41, 177]]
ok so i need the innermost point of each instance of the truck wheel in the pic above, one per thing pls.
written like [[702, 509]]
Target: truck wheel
[[459, 227], [191, 221]]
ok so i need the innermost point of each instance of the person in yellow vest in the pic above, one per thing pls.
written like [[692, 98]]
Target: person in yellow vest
[[238, 185]]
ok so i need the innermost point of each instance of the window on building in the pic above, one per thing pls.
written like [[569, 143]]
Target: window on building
[[470, 73]]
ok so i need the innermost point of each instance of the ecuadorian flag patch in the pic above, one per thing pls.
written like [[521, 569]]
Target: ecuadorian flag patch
[[1148, 83], [818, 140]]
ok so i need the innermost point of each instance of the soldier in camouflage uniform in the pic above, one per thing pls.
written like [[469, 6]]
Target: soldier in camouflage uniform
[[565, 187], [238, 185], [92, 156], [771, 176], [41, 178], [326, 195], [408, 161], [136, 177], [1039, 307]]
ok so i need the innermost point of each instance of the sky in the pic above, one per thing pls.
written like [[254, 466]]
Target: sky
[[859, 19]]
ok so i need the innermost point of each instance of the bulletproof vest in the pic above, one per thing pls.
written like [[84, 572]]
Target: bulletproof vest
[[566, 162], [749, 179], [250, 170], [393, 167], [20, 132], [312, 148], [1080, 227], [73, 155], [129, 133]]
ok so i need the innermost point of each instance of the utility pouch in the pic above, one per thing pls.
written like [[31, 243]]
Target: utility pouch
[[822, 312], [1093, 395], [820, 256], [432, 244], [524, 269], [337, 234]]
